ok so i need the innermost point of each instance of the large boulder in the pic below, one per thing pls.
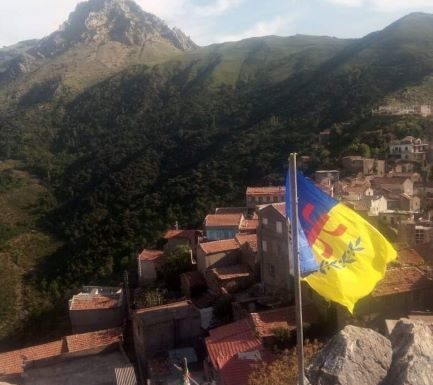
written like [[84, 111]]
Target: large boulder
[[355, 356], [412, 363]]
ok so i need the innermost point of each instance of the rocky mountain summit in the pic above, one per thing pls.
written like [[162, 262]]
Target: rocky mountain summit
[[357, 356], [99, 21], [95, 23]]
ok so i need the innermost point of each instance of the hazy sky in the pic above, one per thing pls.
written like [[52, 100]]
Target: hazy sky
[[211, 21]]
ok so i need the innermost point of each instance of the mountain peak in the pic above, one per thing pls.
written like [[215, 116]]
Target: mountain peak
[[99, 21]]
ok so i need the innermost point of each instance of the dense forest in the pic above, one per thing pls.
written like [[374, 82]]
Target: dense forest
[[123, 159]]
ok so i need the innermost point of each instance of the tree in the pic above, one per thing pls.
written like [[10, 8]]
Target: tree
[[177, 263], [282, 371]]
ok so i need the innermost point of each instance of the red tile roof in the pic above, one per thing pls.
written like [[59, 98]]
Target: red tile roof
[[409, 257], [267, 321], [227, 341], [187, 234], [11, 363], [232, 272], [402, 280], [270, 190], [94, 302], [150, 255], [237, 369], [86, 341], [219, 246], [281, 208], [249, 225], [223, 220], [250, 239]]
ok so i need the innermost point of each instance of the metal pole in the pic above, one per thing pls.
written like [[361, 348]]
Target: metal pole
[[295, 251]]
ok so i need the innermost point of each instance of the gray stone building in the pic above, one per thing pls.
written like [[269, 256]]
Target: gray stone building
[[161, 328], [275, 257], [96, 308]]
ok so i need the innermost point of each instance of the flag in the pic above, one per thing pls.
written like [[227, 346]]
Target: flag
[[342, 256]]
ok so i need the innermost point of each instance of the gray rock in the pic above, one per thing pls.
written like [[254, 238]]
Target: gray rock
[[355, 356], [412, 362]]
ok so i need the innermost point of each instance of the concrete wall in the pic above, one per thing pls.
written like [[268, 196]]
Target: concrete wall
[[226, 258], [159, 329], [146, 271], [91, 320]]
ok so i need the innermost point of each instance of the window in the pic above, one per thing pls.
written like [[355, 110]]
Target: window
[[264, 246], [265, 221], [279, 227]]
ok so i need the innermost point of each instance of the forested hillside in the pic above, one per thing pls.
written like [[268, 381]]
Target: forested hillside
[[125, 155]]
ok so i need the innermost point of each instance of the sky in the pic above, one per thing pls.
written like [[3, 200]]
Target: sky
[[214, 21]]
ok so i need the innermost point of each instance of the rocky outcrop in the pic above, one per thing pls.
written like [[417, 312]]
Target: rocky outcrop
[[99, 21], [355, 356], [412, 362]]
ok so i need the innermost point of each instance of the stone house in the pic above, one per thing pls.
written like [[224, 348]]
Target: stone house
[[409, 148], [410, 203], [97, 308], [275, 258], [230, 279], [395, 217], [378, 205], [161, 328], [256, 196], [388, 185], [222, 226], [414, 233], [217, 254], [149, 261], [331, 175], [365, 166], [249, 254]]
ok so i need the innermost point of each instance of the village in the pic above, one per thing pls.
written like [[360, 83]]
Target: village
[[234, 307]]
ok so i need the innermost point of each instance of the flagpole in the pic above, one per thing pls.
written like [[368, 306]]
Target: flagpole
[[297, 273]]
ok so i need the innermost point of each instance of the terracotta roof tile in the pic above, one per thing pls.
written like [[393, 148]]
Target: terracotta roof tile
[[228, 340], [86, 341], [188, 234], [250, 239], [249, 225], [232, 272], [236, 370], [401, 280], [150, 255], [408, 257], [223, 220], [219, 246], [267, 321], [11, 363], [269, 190], [94, 302]]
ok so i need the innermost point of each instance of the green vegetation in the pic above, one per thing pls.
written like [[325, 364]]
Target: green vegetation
[[123, 150]]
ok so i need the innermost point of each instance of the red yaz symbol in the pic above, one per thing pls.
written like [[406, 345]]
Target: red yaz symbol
[[319, 226]]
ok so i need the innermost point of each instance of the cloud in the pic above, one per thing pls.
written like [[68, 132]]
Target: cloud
[[218, 7], [347, 3], [262, 28], [384, 5]]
